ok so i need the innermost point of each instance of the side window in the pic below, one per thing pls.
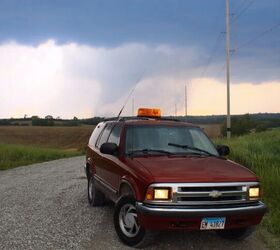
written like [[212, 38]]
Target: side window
[[104, 136], [114, 137], [95, 134]]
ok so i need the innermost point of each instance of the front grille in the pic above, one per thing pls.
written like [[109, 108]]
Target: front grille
[[224, 198], [199, 195], [208, 189], [212, 193]]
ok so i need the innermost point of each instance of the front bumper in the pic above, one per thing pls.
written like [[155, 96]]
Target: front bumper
[[184, 217]]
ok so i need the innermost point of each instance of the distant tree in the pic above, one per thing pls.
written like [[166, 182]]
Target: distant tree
[[92, 121], [261, 127], [48, 117], [75, 118], [5, 122], [36, 121], [240, 125], [25, 116]]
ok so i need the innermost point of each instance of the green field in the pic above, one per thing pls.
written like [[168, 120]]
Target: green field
[[261, 153], [17, 155]]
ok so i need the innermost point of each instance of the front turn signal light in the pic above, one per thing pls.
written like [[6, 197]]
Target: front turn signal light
[[150, 194]]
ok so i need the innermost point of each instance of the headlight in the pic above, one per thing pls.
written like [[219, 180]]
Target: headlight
[[254, 193], [158, 193], [161, 194]]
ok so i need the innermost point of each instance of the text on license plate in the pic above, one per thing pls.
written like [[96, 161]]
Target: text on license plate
[[213, 223]]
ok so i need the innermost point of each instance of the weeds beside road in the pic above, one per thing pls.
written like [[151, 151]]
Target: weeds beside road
[[18, 155], [261, 153]]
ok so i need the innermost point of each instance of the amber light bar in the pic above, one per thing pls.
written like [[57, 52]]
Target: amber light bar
[[149, 112]]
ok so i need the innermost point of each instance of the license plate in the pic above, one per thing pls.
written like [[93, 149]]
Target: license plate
[[213, 223]]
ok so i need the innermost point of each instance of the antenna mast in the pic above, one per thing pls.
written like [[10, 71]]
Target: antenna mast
[[130, 94], [132, 108]]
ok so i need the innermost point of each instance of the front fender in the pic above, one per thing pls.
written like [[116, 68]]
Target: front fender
[[134, 187]]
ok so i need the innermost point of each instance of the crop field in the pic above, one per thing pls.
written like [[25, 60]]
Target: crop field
[[261, 153], [74, 138]]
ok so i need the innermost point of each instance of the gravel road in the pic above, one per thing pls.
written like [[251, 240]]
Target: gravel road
[[44, 206]]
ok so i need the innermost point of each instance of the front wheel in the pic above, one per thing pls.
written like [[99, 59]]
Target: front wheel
[[126, 223], [236, 234]]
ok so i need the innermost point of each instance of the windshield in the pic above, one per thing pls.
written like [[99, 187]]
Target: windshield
[[167, 139]]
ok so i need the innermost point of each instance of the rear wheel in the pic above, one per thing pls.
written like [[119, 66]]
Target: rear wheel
[[126, 223], [95, 196], [236, 234]]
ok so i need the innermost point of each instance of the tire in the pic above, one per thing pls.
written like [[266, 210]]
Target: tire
[[95, 196], [126, 224], [236, 234]]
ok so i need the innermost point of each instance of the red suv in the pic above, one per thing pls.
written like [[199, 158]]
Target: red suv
[[163, 174]]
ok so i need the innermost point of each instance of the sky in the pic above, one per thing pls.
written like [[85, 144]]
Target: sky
[[71, 58]]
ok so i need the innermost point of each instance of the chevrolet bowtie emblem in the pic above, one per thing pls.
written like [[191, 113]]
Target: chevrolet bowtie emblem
[[215, 194]]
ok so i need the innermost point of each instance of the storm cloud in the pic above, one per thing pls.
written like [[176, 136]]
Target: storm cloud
[[80, 80]]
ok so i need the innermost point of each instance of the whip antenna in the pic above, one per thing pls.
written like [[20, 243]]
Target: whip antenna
[[130, 94]]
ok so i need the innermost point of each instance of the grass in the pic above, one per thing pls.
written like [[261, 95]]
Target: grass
[[18, 155], [261, 153]]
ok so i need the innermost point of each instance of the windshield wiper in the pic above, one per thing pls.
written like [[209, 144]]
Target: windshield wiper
[[147, 151], [192, 148]]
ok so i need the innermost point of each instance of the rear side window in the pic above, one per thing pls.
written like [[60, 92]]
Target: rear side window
[[105, 134], [114, 136], [95, 134]]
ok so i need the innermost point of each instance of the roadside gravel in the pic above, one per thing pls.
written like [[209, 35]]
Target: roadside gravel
[[44, 206]]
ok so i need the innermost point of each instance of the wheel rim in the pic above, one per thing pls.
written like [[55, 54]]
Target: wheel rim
[[91, 189], [128, 220]]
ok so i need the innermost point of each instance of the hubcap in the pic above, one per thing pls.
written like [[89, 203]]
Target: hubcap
[[128, 220]]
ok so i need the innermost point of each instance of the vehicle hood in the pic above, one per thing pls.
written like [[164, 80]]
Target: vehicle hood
[[195, 169]]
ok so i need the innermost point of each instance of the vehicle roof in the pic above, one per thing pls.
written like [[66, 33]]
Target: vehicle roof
[[152, 121]]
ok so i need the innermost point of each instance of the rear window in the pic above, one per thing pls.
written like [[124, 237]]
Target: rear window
[[114, 136], [95, 134], [105, 134]]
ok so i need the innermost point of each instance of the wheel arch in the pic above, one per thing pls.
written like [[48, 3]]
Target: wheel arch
[[90, 169], [127, 186]]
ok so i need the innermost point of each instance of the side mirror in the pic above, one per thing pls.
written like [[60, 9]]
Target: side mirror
[[223, 150], [109, 148]]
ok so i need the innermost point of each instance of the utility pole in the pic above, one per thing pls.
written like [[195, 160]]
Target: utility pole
[[228, 67], [186, 103]]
